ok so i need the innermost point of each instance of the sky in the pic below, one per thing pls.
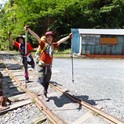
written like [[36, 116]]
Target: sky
[[2, 1]]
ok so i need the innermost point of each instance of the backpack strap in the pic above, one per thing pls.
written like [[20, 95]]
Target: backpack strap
[[45, 46]]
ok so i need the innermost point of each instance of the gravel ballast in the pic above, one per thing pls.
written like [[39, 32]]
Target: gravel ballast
[[25, 115], [99, 82], [96, 81]]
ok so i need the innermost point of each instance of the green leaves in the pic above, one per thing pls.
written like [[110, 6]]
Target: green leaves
[[59, 15]]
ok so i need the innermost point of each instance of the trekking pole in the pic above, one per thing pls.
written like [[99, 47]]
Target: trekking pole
[[72, 68], [26, 40], [72, 63]]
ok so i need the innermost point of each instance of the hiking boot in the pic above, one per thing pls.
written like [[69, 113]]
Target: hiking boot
[[26, 79], [46, 97], [45, 94]]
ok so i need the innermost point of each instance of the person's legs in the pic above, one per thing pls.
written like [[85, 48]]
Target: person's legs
[[41, 74], [24, 61], [32, 63], [47, 79], [44, 77]]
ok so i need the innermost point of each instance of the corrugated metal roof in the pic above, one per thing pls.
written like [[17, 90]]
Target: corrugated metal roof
[[102, 31]]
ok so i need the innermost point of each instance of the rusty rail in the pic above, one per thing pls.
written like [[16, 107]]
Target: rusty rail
[[107, 116], [54, 118]]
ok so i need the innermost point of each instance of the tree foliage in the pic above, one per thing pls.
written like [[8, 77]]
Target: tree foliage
[[59, 16]]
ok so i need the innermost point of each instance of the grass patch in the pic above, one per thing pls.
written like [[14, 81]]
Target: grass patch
[[62, 54], [59, 54], [67, 51]]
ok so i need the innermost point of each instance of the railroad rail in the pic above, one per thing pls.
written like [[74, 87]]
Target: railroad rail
[[105, 115], [51, 115], [54, 118]]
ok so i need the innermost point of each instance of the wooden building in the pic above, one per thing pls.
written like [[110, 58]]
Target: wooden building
[[98, 41]]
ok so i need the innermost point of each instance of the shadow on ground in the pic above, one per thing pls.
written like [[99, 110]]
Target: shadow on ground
[[62, 100]]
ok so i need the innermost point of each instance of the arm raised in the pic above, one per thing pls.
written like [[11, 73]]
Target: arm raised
[[10, 37], [64, 39], [32, 33]]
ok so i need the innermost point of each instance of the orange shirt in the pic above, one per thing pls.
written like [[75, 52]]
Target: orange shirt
[[29, 48], [44, 56]]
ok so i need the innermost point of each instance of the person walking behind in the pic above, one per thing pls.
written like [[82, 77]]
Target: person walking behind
[[26, 56], [46, 57], [38, 50], [38, 54]]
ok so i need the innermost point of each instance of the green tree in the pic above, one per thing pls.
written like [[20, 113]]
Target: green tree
[[59, 16]]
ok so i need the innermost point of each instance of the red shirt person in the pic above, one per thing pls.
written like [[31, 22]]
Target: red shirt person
[[25, 51], [46, 56], [18, 45]]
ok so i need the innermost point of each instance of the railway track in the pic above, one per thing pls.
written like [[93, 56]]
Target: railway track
[[108, 117], [87, 114]]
